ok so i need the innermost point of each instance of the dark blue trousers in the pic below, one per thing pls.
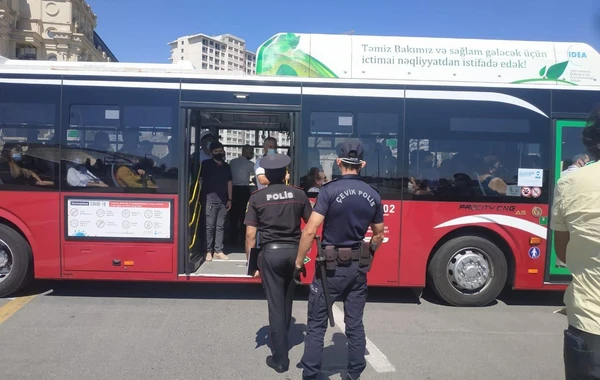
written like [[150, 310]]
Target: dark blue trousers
[[349, 285]]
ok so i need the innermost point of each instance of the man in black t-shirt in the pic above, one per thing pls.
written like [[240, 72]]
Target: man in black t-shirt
[[217, 187]]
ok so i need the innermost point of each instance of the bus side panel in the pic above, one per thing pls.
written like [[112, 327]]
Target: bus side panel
[[119, 258], [515, 224], [35, 216]]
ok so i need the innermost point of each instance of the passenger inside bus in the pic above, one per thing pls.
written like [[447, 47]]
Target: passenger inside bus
[[11, 172], [101, 142], [242, 172], [131, 142], [206, 138], [491, 183], [78, 175], [313, 181]]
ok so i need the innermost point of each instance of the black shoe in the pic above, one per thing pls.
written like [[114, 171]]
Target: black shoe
[[277, 367], [348, 377]]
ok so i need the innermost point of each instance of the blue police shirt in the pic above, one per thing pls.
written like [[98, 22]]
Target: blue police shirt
[[349, 206]]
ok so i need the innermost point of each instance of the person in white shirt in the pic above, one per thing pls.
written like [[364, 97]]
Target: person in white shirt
[[206, 138], [79, 176], [578, 161], [242, 169], [269, 147]]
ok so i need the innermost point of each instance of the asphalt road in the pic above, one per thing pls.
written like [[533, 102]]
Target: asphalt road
[[139, 331]]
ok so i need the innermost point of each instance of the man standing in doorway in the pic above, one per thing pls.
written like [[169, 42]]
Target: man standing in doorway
[[269, 147], [242, 169], [575, 220], [206, 138], [216, 193]]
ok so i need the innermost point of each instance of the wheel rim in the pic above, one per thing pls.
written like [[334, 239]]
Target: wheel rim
[[6, 261], [470, 270]]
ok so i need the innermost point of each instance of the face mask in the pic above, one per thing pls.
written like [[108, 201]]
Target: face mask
[[218, 156], [17, 157], [271, 151]]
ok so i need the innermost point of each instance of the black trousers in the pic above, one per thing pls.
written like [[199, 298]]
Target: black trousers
[[581, 354], [241, 195], [349, 285], [277, 269]]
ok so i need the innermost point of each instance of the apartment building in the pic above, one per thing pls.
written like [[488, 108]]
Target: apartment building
[[51, 30], [219, 53], [222, 53]]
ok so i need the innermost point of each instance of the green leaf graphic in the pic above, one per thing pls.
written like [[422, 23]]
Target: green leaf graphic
[[543, 71], [555, 71], [286, 70], [281, 56]]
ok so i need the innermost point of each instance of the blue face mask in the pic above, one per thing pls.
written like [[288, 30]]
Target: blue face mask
[[271, 151], [17, 157]]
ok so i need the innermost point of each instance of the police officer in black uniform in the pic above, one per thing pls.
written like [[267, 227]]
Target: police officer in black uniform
[[346, 207], [275, 211]]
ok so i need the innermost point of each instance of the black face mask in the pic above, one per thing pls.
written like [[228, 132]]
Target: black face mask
[[218, 156]]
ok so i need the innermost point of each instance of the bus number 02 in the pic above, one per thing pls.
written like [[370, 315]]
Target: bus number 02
[[389, 209]]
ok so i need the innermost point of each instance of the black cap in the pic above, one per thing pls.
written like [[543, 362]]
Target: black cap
[[275, 161], [351, 152]]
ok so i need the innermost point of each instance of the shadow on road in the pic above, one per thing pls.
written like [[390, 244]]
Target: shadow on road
[[113, 289], [296, 335], [335, 358]]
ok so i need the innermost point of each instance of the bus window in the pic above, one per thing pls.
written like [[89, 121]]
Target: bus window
[[378, 132], [28, 156], [472, 150], [122, 147]]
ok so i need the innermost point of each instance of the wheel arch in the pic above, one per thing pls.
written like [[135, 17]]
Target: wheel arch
[[19, 226], [485, 233]]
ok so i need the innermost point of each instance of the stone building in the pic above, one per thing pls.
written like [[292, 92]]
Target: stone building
[[57, 30]]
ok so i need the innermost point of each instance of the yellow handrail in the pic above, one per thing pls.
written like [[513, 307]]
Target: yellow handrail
[[194, 196], [195, 218]]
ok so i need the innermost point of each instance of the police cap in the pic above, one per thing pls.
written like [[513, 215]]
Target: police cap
[[351, 152], [275, 161]]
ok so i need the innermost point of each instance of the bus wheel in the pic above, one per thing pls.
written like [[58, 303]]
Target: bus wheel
[[468, 271], [15, 261]]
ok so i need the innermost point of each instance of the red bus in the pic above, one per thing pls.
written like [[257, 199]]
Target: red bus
[[99, 164]]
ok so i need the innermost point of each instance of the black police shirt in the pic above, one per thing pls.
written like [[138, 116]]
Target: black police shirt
[[276, 211], [349, 206]]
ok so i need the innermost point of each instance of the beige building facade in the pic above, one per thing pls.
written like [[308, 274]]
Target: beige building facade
[[219, 53], [55, 30]]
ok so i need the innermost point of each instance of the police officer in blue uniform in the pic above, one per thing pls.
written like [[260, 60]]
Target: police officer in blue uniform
[[276, 212], [346, 207]]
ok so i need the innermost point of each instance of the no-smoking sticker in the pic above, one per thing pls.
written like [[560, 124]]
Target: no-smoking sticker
[[526, 192], [536, 192]]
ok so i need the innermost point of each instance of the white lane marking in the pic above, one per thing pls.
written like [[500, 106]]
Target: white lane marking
[[375, 357]]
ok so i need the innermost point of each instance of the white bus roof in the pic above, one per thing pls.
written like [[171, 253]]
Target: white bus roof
[[377, 60]]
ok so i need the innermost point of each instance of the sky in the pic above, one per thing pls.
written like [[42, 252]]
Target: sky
[[139, 30]]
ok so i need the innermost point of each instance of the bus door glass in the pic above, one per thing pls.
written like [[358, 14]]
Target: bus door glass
[[568, 151]]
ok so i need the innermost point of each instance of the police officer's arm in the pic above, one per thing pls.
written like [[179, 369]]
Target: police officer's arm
[[310, 230], [377, 227], [250, 221]]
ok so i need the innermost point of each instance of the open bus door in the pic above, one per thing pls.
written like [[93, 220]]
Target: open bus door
[[568, 144], [234, 128]]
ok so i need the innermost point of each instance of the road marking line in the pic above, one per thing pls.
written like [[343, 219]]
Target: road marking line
[[13, 306], [375, 357]]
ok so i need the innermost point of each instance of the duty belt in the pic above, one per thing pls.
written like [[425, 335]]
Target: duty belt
[[343, 256]]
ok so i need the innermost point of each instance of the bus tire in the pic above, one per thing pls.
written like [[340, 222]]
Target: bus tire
[[15, 253], [468, 271]]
